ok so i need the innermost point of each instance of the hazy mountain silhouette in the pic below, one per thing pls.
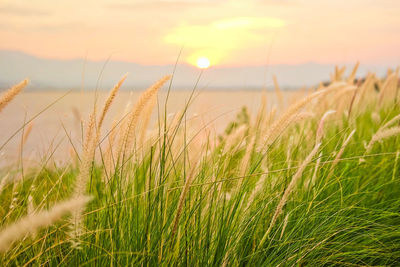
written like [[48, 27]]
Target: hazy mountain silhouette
[[67, 74]]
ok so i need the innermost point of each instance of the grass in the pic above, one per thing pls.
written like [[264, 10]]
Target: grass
[[190, 196]]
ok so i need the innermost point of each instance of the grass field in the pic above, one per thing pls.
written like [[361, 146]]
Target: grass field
[[311, 183]]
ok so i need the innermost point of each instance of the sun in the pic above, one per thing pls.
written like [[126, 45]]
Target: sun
[[203, 63]]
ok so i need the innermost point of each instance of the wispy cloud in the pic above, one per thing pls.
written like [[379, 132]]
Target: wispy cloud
[[221, 38], [166, 4], [22, 11], [278, 2], [233, 32]]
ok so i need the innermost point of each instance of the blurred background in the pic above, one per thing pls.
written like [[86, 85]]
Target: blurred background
[[65, 44]]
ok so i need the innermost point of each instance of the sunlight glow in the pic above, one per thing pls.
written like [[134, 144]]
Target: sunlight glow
[[221, 39], [203, 63]]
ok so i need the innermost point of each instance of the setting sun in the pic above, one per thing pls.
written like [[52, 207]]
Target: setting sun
[[203, 63]]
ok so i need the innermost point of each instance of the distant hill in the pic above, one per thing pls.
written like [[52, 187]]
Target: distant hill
[[67, 74]]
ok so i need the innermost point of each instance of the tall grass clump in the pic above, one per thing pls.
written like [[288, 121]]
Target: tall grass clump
[[312, 183]]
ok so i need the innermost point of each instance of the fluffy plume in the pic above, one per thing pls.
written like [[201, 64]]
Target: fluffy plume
[[390, 84], [146, 119], [3, 182], [341, 94], [247, 155], [261, 111], [269, 118], [129, 128], [33, 222], [27, 132], [278, 92], [311, 182], [287, 117], [89, 149], [9, 95], [301, 116], [382, 134], [109, 100], [376, 117], [30, 208], [234, 137], [338, 74], [320, 129], [352, 76], [391, 122], [364, 88], [108, 155]]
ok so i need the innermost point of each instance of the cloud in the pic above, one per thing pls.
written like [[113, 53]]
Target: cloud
[[249, 23], [277, 2], [166, 4], [219, 39], [22, 11]]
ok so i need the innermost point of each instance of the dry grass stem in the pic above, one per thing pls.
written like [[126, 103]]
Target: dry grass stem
[[288, 191], [340, 153], [182, 197]]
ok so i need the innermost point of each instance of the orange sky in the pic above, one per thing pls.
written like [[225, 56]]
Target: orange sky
[[229, 33]]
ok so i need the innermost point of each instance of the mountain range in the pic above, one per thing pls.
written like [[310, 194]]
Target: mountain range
[[56, 74]]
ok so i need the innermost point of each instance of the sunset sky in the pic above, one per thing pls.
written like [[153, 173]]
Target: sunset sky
[[227, 32]]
